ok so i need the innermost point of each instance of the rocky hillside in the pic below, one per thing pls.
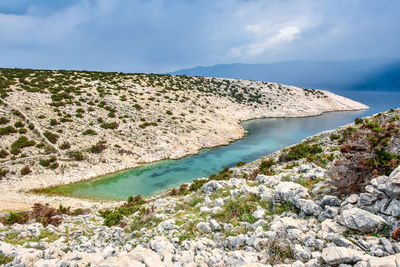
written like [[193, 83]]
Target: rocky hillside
[[332, 200], [59, 127]]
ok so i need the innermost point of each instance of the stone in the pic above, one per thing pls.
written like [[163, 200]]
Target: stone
[[339, 255], [259, 213], [366, 199], [145, 256], [215, 225], [308, 206], [329, 200], [288, 191], [211, 186], [361, 220], [203, 227], [388, 261], [395, 176], [393, 209]]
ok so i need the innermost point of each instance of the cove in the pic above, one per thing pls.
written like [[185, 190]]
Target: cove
[[264, 137]]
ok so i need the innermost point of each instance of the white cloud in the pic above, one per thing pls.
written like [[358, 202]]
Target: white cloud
[[276, 40]]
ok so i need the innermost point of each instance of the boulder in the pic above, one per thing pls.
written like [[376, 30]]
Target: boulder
[[288, 191], [329, 200], [308, 206], [203, 227], [340, 255], [211, 186], [259, 213], [361, 220]]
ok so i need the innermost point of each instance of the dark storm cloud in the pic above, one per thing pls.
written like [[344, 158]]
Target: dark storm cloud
[[163, 35]]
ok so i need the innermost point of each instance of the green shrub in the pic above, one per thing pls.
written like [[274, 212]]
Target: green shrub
[[89, 132], [20, 143], [52, 137], [22, 131], [65, 145], [300, 151], [47, 162], [16, 218], [265, 166], [3, 172], [25, 170], [98, 148], [240, 163], [358, 120], [76, 155], [7, 130], [19, 124], [240, 208], [31, 126], [53, 122], [3, 154], [168, 112], [111, 125], [5, 259], [334, 136], [4, 120]]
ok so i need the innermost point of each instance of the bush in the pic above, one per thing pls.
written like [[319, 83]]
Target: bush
[[240, 163], [53, 122], [365, 156], [265, 166], [98, 148], [76, 155], [47, 162], [334, 136], [3, 172], [300, 151], [7, 130], [4, 120], [169, 112], [52, 137], [358, 120], [20, 143], [19, 124], [110, 125], [240, 208], [89, 132], [19, 218], [3, 154], [65, 145], [22, 131], [25, 170]]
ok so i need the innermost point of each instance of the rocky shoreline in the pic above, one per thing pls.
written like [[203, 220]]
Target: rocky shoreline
[[288, 209]]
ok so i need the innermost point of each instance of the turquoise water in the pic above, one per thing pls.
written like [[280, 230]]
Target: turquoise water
[[264, 137]]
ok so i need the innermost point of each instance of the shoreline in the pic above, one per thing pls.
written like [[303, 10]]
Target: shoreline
[[47, 191]]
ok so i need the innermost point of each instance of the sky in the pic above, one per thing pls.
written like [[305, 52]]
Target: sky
[[167, 35]]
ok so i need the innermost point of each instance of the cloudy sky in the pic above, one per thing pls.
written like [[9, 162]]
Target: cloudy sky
[[166, 35]]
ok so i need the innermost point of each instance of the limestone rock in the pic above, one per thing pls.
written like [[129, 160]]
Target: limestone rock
[[361, 220], [340, 255], [288, 191], [211, 186]]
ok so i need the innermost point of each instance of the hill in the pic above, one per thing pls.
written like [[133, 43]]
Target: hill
[[362, 74], [59, 127]]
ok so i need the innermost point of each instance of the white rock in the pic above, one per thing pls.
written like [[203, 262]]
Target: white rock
[[259, 213], [288, 191], [339, 255], [361, 220], [211, 186], [203, 227]]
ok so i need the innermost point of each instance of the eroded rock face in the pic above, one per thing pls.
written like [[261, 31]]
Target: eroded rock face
[[361, 220]]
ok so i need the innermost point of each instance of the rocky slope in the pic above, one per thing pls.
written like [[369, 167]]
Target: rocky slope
[[292, 208], [59, 127]]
